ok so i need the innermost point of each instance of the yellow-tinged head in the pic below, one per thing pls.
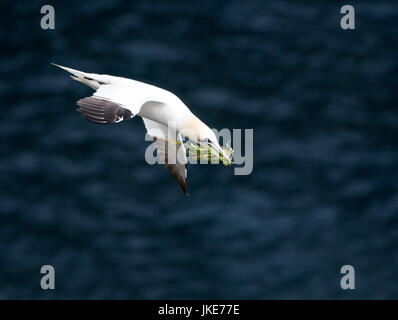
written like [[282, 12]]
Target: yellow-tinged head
[[196, 130]]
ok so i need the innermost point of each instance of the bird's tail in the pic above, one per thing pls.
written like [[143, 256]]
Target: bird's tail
[[90, 79]]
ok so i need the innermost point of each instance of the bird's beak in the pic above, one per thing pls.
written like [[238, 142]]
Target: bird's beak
[[217, 148]]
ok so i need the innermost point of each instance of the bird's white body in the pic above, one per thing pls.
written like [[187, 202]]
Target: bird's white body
[[162, 112], [140, 98]]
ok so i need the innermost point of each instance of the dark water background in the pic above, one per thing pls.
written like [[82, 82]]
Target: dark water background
[[323, 192]]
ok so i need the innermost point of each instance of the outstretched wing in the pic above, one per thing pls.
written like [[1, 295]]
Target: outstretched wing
[[170, 151], [118, 92]]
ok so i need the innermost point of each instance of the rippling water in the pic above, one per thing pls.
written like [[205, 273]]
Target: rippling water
[[323, 192]]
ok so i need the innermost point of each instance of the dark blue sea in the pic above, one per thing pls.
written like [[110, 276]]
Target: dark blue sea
[[323, 103]]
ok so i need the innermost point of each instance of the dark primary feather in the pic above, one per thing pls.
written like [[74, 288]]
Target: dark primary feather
[[178, 170], [102, 111]]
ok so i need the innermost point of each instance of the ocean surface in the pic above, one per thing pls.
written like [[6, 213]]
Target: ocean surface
[[323, 103]]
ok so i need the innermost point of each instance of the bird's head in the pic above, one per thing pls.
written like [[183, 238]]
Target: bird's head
[[209, 140], [201, 133]]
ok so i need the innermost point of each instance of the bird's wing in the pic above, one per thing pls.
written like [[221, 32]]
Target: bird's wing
[[128, 96], [103, 111], [116, 98], [171, 153]]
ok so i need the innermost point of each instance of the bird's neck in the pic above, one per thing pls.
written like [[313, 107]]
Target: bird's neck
[[193, 127]]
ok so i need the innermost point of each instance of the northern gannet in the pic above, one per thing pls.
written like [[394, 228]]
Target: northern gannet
[[116, 99]]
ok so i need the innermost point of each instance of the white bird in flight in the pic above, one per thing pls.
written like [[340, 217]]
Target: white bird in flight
[[116, 99]]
